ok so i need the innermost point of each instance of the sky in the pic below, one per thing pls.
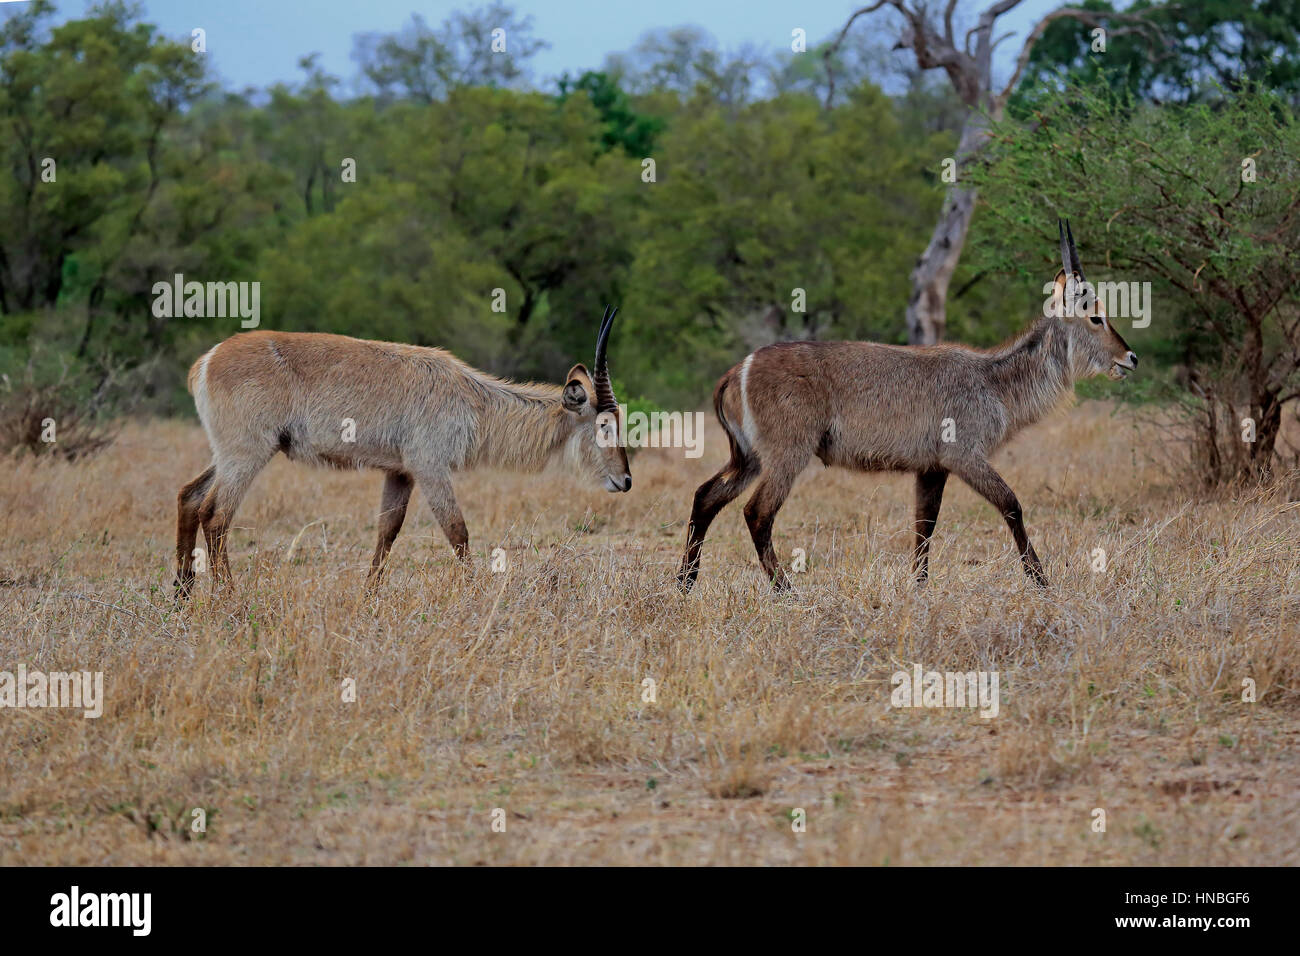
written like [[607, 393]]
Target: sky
[[259, 42]]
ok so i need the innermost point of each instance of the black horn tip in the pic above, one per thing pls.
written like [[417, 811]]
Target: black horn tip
[[606, 322], [1074, 253]]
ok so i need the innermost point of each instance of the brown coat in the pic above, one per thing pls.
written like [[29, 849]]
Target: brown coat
[[931, 410]]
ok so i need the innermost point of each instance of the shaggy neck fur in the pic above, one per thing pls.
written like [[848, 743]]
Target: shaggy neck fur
[[521, 427], [1034, 373]]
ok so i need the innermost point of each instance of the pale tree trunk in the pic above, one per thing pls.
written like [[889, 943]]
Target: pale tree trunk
[[970, 70], [927, 312]]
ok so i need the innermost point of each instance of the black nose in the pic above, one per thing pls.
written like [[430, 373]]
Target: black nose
[[1132, 357], [627, 483]]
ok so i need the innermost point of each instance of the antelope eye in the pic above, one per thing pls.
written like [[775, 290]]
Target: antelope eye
[[1096, 320]]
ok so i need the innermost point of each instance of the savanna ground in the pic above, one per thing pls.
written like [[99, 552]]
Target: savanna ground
[[523, 690]]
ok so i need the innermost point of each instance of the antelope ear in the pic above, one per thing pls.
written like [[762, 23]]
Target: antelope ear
[[579, 391]]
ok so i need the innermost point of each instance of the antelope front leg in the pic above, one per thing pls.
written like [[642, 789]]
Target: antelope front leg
[[438, 491], [929, 496], [987, 482]]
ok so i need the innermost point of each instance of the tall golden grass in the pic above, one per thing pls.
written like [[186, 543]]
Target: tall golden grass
[[523, 691]]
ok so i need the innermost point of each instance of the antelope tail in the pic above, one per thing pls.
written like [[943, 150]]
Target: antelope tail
[[740, 450]]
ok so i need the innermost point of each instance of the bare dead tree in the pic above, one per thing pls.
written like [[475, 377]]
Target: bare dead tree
[[969, 66]]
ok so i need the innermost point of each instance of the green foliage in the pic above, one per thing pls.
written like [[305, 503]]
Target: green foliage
[[1201, 201], [82, 113], [1197, 49], [489, 189], [752, 205], [635, 133], [424, 64], [497, 220]]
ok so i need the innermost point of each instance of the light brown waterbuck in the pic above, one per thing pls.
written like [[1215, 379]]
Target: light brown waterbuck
[[933, 410], [418, 414]]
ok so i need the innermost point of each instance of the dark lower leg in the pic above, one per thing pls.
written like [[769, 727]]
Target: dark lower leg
[[992, 487], [710, 498], [215, 528], [188, 503], [217, 512], [1028, 556], [760, 515], [929, 496], [454, 528]]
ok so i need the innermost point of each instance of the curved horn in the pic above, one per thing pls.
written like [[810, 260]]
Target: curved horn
[[1074, 253], [605, 400], [1065, 247]]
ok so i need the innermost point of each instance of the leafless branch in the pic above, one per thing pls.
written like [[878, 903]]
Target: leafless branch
[[839, 40], [970, 69], [947, 21]]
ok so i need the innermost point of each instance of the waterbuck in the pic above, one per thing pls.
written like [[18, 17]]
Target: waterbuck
[[932, 410], [418, 414]]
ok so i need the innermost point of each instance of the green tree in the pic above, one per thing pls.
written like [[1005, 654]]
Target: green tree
[[425, 64], [494, 189], [309, 134], [1202, 201], [755, 204], [83, 114], [1209, 46], [624, 127]]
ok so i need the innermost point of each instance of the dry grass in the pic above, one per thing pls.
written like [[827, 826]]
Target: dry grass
[[523, 691]]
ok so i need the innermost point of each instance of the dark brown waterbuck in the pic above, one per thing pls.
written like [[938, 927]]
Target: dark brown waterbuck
[[417, 414], [932, 410]]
